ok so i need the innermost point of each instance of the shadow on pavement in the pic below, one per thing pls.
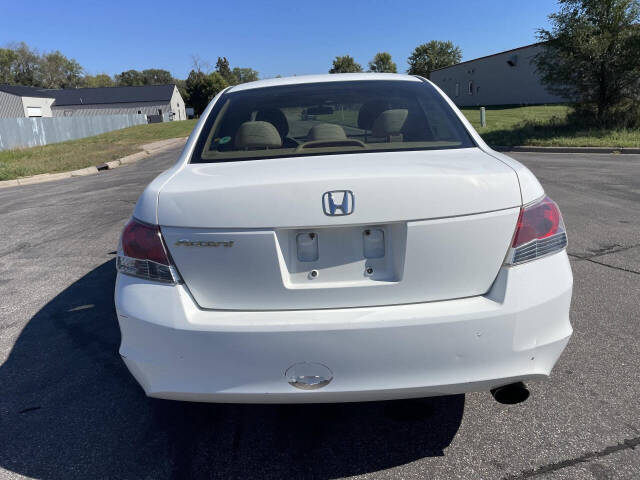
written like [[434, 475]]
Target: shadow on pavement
[[70, 409]]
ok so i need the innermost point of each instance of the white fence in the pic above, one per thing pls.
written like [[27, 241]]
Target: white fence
[[31, 132]]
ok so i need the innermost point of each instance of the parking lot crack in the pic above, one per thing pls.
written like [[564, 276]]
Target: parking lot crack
[[629, 444], [15, 248], [607, 250], [590, 259]]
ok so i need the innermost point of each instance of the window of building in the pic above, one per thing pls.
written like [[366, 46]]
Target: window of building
[[457, 89], [159, 111], [470, 88], [139, 112], [34, 112]]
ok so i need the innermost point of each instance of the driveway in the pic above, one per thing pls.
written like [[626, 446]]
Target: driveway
[[69, 408]]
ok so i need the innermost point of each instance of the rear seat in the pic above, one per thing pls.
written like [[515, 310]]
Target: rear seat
[[389, 124], [326, 131], [257, 134]]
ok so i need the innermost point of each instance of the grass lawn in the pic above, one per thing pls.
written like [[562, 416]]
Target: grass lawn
[[544, 125], [75, 154], [539, 125], [507, 118], [348, 118]]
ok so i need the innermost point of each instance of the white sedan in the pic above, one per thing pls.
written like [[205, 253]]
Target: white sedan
[[340, 238]]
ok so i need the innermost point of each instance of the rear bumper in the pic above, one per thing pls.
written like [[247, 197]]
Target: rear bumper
[[515, 332]]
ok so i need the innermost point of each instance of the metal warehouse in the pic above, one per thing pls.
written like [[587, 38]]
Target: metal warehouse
[[505, 78], [150, 100]]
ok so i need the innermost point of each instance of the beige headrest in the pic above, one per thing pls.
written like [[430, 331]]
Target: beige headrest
[[326, 131], [257, 135], [389, 122]]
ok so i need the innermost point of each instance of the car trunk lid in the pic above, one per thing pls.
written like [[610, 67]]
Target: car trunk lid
[[421, 226]]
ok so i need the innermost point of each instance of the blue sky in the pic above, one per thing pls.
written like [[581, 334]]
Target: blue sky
[[274, 38]]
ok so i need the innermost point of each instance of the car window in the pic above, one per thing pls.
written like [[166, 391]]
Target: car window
[[329, 118]]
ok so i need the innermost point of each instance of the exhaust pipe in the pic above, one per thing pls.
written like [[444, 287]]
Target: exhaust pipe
[[511, 394]]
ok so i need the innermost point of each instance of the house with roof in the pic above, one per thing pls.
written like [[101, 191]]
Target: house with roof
[[150, 100], [18, 101], [503, 78]]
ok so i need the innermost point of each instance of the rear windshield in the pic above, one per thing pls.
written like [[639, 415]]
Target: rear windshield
[[329, 118]]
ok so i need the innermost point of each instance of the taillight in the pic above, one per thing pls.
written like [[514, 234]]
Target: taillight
[[144, 254], [540, 231]]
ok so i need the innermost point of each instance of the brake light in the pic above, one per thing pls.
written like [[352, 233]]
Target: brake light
[[144, 254], [539, 232]]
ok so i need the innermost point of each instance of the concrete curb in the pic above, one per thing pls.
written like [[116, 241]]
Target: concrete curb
[[113, 164], [44, 177], [83, 172], [9, 183], [621, 150], [147, 150], [134, 157]]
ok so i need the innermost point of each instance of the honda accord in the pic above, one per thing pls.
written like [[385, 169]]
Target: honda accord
[[340, 238]]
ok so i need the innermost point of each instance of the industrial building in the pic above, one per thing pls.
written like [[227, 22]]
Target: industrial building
[[164, 101], [504, 78]]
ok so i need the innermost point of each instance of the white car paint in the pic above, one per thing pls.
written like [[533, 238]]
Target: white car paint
[[302, 79], [515, 332], [389, 186], [426, 260], [442, 313]]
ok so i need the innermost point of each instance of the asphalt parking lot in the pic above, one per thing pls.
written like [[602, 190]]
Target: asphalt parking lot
[[69, 408]]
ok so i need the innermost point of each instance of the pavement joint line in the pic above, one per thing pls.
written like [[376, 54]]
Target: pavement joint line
[[627, 444], [590, 259]]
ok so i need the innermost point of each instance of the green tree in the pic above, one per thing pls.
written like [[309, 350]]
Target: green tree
[[58, 71], [433, 55], [130, 78], [8, 59], [244, 75], [592, 56], [382, 63], [345, 64], [157, 76], [222, 67], [202, 87], [26, 66], [99, 80], [216, 84], [196, 86]]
